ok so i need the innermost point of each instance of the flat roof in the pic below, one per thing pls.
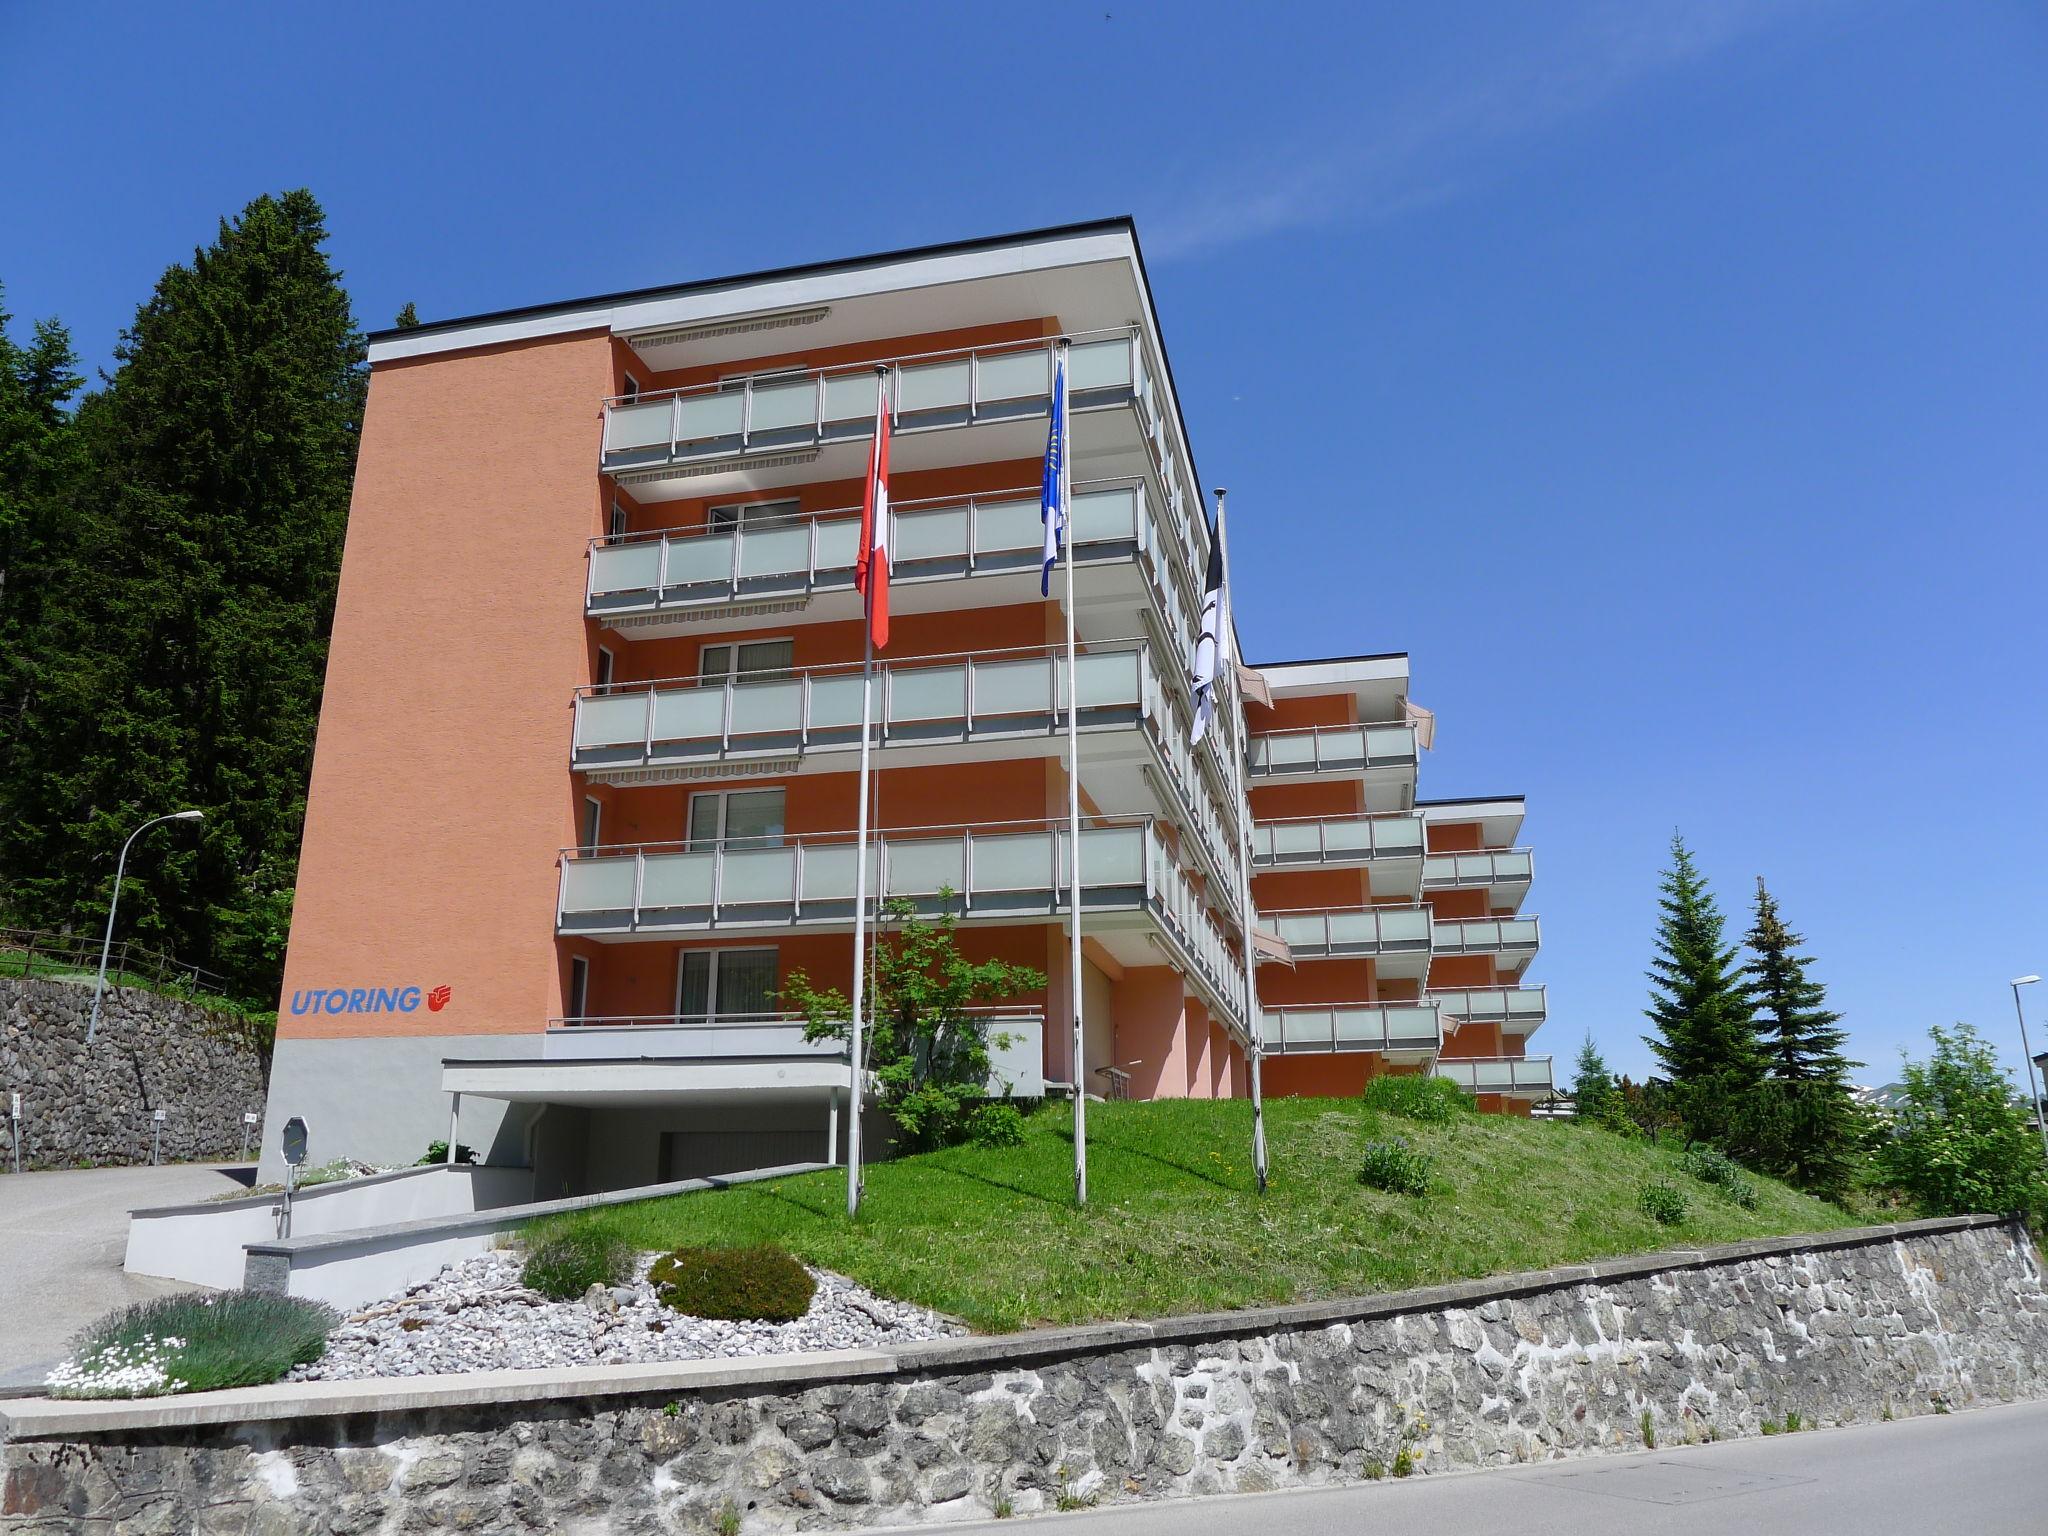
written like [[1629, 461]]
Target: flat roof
[[1455, 800]]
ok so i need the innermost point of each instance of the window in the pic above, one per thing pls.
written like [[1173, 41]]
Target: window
[[738, 818], [631, 389], [724, 983], [615, 522], [753, 514], [579, 987], [605, 662], [593, 823], [750, 661]]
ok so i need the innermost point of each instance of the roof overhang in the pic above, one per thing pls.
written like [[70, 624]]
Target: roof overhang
[[1378, 684], [1499, 817], [618, 1081]]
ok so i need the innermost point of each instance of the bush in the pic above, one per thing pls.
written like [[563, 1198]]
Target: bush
[[564, 1262], [745, 1285], [1418, 1096], [1663, 1202], [1713, 1167], [194, 1344], [1395, 1167], [1962, 1143], [437, 1152], [997, 1123]]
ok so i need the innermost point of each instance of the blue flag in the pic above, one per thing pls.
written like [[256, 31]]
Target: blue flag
[[1052, 497]]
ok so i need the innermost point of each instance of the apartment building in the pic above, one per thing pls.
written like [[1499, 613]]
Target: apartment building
[[585, 786]]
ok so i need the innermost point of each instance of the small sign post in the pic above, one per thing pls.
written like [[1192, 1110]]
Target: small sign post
[[156, 1135], [248, 1126], [14, 1115], [294, 1154]]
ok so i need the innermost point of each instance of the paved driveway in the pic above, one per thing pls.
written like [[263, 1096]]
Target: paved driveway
[[60, 1263]]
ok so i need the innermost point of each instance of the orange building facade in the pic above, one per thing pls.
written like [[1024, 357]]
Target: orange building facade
[[586, 781]]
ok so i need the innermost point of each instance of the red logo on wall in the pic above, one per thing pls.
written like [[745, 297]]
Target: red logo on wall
[[437, 999]]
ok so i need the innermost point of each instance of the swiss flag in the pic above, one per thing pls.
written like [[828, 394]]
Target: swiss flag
[[871, 565]]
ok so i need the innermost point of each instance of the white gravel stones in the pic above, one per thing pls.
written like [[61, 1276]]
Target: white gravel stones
[[477, 1316]]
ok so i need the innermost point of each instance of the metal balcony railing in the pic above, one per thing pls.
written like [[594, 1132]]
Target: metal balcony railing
[[1383, 1027], [1522, 1007], [1485, 936], [1485, 867], [1005, 871], [1360, 932], [1331, 749], [1501, 1074], [1337, 840]]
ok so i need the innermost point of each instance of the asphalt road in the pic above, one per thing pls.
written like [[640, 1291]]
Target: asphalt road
[[1980, 1472], [62, 1236]]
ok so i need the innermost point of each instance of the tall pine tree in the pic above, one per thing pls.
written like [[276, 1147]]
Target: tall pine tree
[[38, 462], [1706, 1034], [179, 660]]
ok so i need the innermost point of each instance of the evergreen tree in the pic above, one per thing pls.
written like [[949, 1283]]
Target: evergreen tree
[[408, 318], [1596, 1097], [179, 660], [1706, 1032], [38, 460]]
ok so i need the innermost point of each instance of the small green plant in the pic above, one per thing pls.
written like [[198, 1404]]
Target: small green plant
[[1714, 1167], [1404, 1462], [1395, 1167], [1886, 1416], [997, 1123], [1649, 1430], [1070, 1497], [672, 1409], [1375, 1470], [437, 1152], [1001, 1506], [1793, 1423], [1663, 1202], [727, 1521], [194, 1344], [1422, 1097], [1938, 1401], [762, 1284], [1769, 1426], [564, 1262]]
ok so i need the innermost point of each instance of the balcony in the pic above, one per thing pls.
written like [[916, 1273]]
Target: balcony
[[1395, 939], [1503, 873], [1383, 755], [1133, 891], [1390, 846], [971, 406], [1521, 1077], [1402, 1032], [1517, 1010], [1511, 941], [944, 709]]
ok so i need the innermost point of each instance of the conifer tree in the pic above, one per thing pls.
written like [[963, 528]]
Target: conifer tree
[[1706, 1033], [38, 458], [1596, 1097], [178, 661], [408, 318]]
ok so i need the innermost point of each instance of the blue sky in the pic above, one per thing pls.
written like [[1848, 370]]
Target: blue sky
[[1670, 379]]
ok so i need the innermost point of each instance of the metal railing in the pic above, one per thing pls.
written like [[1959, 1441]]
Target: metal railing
[[1493, 1005], [1331, 749], [1487, 866], [1313, 933], [1485, 935], [1500, 1074], [1413, 1026], [993, 1015], [1343, 840], [36, 952]]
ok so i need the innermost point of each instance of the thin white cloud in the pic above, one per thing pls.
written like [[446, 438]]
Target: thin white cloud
[[1331, 170]]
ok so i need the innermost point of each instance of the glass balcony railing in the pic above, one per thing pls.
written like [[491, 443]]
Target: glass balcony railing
[[1338, 841], [633, 731], [1517, 1008], [1501, 1074], [1509, 936], [1331, 749], [1006, 872], [1506, 867], [1384, 1027], [1361, 933]]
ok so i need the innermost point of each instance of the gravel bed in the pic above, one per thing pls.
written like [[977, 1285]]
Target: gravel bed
[[477, 1316]]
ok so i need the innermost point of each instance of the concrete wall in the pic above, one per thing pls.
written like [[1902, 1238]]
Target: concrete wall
[[93, 1105], [1841, 1328]]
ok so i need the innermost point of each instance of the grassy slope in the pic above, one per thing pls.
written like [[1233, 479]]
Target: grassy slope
[[1174, 1225]]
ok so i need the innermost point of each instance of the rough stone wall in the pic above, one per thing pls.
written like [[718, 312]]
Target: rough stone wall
[[94, 1106], [1549, 1366]]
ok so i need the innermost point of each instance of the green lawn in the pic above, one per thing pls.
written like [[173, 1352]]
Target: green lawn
[[1174, 1224]]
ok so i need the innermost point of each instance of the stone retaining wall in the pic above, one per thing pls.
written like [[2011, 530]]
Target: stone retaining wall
[[93, 1107], [1846, 1327]]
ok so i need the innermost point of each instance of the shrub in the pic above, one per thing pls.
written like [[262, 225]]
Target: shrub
[[758, 1285], [437, 1152], [564, 1262], [1418, 1096], [997, 1123], [1723, 1172], [1961, 1143], [1395, 1167], [194, 1344], [1663, 1202]]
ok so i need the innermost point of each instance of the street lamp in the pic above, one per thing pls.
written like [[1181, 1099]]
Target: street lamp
[[92, 1027], [2040, 1119]]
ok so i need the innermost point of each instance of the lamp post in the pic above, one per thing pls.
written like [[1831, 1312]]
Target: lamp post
[[2033, 1089], [92, 1027]]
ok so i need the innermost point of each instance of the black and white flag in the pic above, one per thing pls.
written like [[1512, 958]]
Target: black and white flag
[[1207, 644]]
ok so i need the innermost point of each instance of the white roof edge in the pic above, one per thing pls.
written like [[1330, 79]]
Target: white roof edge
[[1335, 674], [1470, 810], [858, 277]]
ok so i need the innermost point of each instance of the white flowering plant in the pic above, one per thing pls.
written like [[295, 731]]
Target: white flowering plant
[[196, 1343]]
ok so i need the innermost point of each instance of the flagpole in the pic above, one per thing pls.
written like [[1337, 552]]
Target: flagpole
[[856, 1045], [1073, 802], [1254, 1034]]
